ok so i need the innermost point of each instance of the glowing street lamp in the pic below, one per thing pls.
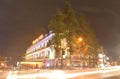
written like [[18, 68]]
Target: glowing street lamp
[[80, 39]]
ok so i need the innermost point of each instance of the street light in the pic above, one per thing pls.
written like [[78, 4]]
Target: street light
[[80, 39]]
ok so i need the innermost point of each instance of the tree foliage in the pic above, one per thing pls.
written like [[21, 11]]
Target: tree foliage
[[71, 25], [65, 24], [56, 25], [89, 35]]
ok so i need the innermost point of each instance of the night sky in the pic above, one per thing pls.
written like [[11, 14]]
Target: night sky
[[21, 21]]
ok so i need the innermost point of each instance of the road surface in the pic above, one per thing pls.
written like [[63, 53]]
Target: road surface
[[106, 73]]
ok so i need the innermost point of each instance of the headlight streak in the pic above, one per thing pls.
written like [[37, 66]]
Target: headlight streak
[[89, 73], [57, 74], [12, 75], [61, 74]]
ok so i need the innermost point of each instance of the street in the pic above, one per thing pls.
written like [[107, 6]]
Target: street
[[106, 73]]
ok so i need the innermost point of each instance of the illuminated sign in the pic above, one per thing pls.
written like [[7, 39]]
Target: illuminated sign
[[36, 40]]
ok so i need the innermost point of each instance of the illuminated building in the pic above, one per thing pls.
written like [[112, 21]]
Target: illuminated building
[[39, 53]]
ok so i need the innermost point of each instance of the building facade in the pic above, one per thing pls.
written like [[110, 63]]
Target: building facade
[[39, 54]]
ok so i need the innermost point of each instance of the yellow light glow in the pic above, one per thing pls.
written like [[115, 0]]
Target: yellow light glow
[[32, 63], [80, 39], [2, 64], [36, 40]]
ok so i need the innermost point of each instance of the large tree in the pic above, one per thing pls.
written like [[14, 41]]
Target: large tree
[[57, 26], [71, 24], [66, 25]]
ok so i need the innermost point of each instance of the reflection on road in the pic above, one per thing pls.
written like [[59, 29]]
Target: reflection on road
[[65, 74]]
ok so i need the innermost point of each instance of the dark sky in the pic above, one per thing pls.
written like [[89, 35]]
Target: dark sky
[[21, 21]]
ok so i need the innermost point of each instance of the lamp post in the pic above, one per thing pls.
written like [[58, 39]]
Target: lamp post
[[79, 43]]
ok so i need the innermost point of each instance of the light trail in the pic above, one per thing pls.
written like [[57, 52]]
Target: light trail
[[61, 74]]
